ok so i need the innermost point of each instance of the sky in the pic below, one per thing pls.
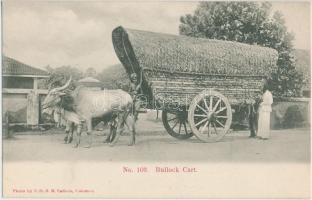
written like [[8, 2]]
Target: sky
[[78, 33]]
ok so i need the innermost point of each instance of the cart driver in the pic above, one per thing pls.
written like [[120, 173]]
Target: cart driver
[[135, 90]]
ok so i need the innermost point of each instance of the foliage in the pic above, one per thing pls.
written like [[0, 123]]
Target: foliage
[[293, 117], [251, 23], [114, 77], [60, 75], [303, 64]]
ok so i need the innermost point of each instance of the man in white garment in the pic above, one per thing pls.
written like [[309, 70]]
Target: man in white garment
[[265, 110]]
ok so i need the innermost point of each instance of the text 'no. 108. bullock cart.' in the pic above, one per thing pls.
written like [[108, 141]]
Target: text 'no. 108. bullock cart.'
[[194, 81]]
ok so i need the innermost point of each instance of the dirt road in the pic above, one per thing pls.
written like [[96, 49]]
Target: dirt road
[[284, 146]]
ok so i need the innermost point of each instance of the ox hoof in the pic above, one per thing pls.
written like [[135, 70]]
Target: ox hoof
[[106, 141], [75, 145], [132, 141], [87, 146]]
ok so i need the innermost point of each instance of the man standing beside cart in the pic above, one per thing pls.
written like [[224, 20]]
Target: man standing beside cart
[[135, 90]]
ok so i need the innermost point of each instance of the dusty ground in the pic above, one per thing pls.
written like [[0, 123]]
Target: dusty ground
[[154, 144]]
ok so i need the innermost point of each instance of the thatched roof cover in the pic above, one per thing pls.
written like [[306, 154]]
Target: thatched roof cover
[[164, 52]]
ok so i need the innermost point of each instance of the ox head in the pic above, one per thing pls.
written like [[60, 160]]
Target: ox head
[[53, 98]]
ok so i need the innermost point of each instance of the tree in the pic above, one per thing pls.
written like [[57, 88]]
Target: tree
[[60, 75], [114, 77], [251, 23]]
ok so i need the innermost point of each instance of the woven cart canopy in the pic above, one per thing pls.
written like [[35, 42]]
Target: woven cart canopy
[[164, 52], [180, 67]]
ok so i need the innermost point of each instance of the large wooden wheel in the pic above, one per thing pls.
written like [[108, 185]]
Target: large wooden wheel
[[176, 124], [210, 116]]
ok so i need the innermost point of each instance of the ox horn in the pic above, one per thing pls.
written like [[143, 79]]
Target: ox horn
[[64, 86]]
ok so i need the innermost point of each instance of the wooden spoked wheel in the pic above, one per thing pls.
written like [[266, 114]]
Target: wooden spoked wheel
[[210, 116], [176, 124]]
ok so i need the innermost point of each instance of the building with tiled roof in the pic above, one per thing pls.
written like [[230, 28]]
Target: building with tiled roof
[[21, 95], [12, 67]]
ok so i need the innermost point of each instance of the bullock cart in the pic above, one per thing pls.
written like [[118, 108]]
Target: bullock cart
[[194, 81]]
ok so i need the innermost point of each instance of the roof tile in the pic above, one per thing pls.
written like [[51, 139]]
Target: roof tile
[[11, 66]]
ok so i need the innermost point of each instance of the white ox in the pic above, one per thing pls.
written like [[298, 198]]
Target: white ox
[[89, 104]]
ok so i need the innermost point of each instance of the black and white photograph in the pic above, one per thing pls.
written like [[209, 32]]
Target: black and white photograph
[[156, 99]]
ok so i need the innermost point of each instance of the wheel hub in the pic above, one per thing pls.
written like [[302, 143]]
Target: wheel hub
[[211, 116], [182, 117]]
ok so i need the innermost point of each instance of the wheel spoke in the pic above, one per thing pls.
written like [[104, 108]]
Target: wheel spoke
[[215, 107], [201, 108], [210, 103], [214, 126], [223, 117], [175, 125], [203, 129], [220, 123], [202, 121], [172, 119], [222, 109], [206, 103], [185, 128], [208, 130], [180, 127], [196, 115]]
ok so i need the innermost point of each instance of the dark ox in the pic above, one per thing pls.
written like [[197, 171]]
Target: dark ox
[[88, 104]]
